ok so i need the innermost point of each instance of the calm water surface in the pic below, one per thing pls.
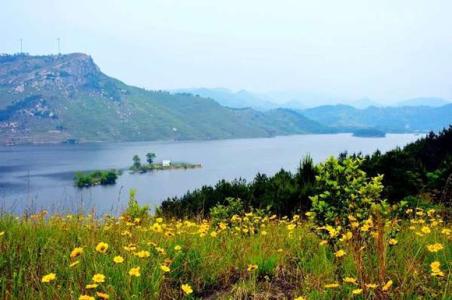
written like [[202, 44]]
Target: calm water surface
[[40, 177]]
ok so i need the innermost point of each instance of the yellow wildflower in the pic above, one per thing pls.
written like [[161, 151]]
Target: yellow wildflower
[[102, 247], [387, 286], [160, 250], [393, 242], [102, 295], [346, 236], [332, 285], [436, 269], [213, 234], [222, 226], [98, 278], [446, 231], [48, 278], [365, 228], [371, 285], [291, 227], [333, 232], [252, 268], [357, 291], [135, 272], [186, 288], [76, 252], [323, 242], [165, 268], [177, 248], [425, 229], [91, 286], [350, 280], [299, 298], [435, 247], [118, 259], [340, 253], [130, 247], [86, 297], [143, 254], [159, 220], [156, 227]]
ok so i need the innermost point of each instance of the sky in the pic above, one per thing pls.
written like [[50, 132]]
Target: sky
[[386, 50]]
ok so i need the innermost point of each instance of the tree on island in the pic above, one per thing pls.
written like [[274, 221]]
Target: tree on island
[[150, 157], [136, 162]]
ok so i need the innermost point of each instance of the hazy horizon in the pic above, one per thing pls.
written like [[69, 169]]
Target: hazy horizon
[[385, 51]]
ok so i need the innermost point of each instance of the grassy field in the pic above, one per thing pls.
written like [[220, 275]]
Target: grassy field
[[249, 256]]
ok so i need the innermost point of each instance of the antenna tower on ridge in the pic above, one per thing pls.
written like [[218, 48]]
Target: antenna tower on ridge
[[59, 48]]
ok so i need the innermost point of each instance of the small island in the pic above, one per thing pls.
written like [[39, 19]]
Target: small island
[[99, 177], [150, 165], [369, 132]]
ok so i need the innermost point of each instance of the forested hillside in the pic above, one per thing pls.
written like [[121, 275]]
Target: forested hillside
[[67, 98], [416, 174]]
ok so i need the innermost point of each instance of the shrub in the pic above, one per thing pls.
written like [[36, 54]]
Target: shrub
[[134, 210], [219, 212], [344, 191]]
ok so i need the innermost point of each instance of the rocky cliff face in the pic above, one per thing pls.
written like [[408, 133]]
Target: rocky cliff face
[[35, 91], [72, 71]]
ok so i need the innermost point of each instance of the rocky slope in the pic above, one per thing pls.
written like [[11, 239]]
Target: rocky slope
[[66, 98]]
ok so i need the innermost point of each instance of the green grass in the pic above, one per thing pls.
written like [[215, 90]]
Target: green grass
[[289, 264]]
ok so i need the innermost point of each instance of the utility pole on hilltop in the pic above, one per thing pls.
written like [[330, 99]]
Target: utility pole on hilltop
[[21, 46], [59, 48]]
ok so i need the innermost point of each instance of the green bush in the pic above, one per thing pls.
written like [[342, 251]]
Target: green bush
[[219, 212], [135, 210], [95, 178], [344, 193]]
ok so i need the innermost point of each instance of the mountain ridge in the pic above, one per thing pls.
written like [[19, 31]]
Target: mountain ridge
[[388, 118], [58, 98]]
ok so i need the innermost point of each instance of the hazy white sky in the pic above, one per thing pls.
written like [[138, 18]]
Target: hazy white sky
[[383, 49]]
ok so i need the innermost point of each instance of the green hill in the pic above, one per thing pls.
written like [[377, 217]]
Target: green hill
[[59, 98]]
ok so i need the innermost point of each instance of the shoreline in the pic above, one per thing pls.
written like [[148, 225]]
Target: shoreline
[[6, 146]]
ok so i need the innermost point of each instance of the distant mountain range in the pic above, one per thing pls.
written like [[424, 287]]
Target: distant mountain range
[[297, 101], [66, 98], [228, 98], [387, 119], [425, 101]]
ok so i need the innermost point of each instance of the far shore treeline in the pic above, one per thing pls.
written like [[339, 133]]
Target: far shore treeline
[[420, 174]]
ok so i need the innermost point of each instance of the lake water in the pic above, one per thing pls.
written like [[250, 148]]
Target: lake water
[[40, 177]]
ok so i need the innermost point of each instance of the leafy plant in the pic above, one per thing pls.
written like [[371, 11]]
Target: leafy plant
[[344, 190], [219, 212], [135, 210]]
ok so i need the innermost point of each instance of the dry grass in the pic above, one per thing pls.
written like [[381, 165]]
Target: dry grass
[[218, 262]]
